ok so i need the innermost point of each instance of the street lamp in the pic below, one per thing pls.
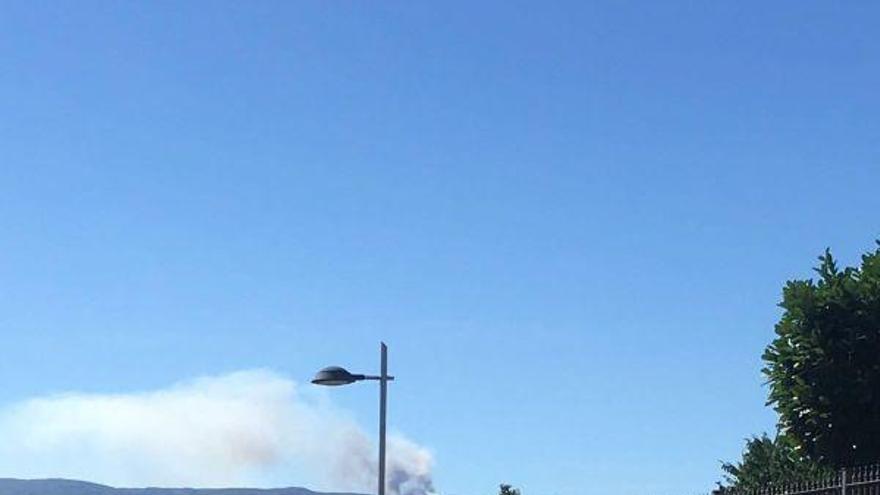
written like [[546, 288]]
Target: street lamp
[[334, 376]]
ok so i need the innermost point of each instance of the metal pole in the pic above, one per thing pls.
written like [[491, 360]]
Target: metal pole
[[843, 481], [383, 399]]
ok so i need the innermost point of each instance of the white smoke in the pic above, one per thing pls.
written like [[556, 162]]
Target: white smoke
[[241, 428]]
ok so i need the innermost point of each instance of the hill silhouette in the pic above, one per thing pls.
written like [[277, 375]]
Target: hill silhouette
[[10, 486]]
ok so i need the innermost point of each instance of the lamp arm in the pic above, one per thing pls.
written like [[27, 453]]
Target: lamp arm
[[374, 377]]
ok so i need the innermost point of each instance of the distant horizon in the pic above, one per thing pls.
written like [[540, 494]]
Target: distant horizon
[[194, 488]]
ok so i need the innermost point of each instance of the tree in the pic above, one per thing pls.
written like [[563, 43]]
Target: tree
[[508, 490], [769, 462], [823, 367]]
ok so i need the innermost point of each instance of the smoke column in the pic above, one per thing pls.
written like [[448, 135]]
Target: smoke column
[[248, 427]]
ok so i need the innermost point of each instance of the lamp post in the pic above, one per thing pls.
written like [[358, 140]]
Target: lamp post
[[334, 376]]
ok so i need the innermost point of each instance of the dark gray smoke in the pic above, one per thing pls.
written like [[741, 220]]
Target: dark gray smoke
[[406, 483]]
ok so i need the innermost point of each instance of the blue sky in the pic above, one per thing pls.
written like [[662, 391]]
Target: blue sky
[[570, 221]]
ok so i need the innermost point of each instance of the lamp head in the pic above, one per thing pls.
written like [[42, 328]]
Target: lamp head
[[334, 376]]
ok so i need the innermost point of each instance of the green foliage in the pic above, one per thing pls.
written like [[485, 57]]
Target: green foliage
[[767, 463], [823, 368], [508, 490]]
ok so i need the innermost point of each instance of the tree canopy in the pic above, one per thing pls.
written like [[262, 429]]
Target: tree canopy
[[770, 462], [823, 367]]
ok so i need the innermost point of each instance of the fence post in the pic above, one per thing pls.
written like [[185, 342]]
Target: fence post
[[843, 481]]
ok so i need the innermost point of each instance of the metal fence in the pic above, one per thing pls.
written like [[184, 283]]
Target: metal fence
[[863, 480]]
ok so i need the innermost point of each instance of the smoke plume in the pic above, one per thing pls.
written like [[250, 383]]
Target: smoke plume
[[249, 427]]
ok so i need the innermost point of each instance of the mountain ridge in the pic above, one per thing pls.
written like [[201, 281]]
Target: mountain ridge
[[63, 486]]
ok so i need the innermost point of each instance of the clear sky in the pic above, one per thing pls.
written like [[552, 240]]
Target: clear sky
[[571, 221]]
